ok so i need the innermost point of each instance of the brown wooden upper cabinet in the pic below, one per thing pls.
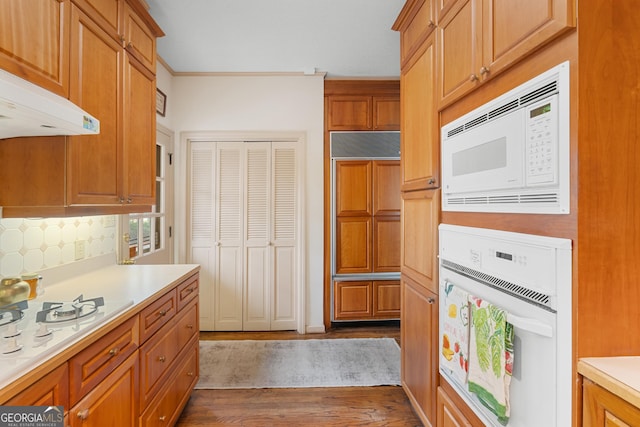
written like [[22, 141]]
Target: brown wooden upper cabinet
[[113, 172], [34, 42], [352, 105], [478, 39]]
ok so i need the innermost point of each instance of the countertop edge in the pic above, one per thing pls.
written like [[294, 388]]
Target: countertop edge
[[599, 370]]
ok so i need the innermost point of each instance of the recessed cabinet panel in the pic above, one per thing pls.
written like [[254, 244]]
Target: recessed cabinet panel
[[386, 241], [386, 187], [34, 42], [353, 188], [349, 113], [353, 245], [386, 113], [419, 236], [419, 139], [352, 300], [386, 299]]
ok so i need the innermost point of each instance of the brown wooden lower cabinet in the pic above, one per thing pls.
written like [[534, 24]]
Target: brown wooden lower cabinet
[[448, 413], [50, 390], [419, 344], [366, 300], [601, 408]]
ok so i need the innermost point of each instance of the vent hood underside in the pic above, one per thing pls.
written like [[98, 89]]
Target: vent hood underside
[[29, 110]]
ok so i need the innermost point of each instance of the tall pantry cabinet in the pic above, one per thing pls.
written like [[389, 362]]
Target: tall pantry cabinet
[[363, 228]]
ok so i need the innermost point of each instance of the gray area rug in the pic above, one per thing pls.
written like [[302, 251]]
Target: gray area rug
[[347, 362]]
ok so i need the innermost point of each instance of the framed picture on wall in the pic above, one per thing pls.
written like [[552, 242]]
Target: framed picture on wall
[[161, 102]]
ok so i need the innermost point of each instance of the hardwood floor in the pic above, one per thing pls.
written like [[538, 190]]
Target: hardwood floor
[[380, 406]]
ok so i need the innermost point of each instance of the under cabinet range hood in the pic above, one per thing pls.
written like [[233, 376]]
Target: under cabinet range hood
[[29, 110]]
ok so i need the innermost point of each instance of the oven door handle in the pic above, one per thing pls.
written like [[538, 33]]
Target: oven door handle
[[530, 325]]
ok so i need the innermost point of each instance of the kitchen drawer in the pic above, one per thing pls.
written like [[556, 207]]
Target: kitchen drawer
[[187, 291], [89, 367], [156, 357], [169, 402], [187, 325], [157, 315], [50, 390]]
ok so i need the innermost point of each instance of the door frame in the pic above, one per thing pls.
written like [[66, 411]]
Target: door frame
[[182, 200]]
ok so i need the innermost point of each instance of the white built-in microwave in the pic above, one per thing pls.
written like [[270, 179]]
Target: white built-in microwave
[[511, 154]]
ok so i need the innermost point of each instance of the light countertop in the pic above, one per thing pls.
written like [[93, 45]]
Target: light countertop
[[619, 375], [141, 284]]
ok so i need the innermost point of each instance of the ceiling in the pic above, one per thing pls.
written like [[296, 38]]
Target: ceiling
[[342, 38]]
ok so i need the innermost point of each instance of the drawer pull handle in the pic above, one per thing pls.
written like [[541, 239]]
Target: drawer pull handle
[[189, 326], [114, 351], [162, 359], [84, 414], [190, 290], [162, 312], [162, 418]]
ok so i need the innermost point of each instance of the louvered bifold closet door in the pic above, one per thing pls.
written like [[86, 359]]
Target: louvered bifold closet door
[[202, 237], [228, 289], [257, 295], [284, 240]]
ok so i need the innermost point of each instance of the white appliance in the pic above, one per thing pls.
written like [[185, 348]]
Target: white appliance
[[511, 154], [29, 110], [530, 278]]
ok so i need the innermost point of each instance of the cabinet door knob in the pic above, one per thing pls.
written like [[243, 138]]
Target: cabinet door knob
[[162, 359], [473, 78], [129, 45], [114, 351], [162, 312], [161, 418], [189, 326], [189, 374], [431, 24], [431, 181], [83, 414], [484, 70], [430, 300]]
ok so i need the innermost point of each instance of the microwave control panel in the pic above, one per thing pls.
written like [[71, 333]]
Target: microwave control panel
[[541, 145]]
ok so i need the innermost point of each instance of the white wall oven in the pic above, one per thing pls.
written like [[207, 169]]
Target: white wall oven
[[505, 325], [511, 154]]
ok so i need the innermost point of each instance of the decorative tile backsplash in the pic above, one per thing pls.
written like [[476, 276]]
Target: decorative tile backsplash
[[31, 245]]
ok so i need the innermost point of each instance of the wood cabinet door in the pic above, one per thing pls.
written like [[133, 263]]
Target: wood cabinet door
[[352, 300], [420, 219], [601, 408], [139, 145], [34, 42], [353, 188], [114, 401], [386, 299], [139, 40], [51, 390], [353, 245], [386, 113], [386, 244], [94, 174], [419, 355], [419, 145], [448, 414], [386, 187], [105, 13], [512, 30], [459, 36], [349, 112]]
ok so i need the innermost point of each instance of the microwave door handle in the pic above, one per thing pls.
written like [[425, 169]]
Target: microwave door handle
[[530, 325]]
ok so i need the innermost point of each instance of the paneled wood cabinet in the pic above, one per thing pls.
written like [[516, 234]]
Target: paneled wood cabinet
[[363, 112], [478, 39], [34, 42], [365, 300], [419, 355], [420, 153], [51, 390], [420, 219], [601, 408], [110, 59]]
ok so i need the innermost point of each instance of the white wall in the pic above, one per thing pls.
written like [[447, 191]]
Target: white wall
[[257, 103]]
